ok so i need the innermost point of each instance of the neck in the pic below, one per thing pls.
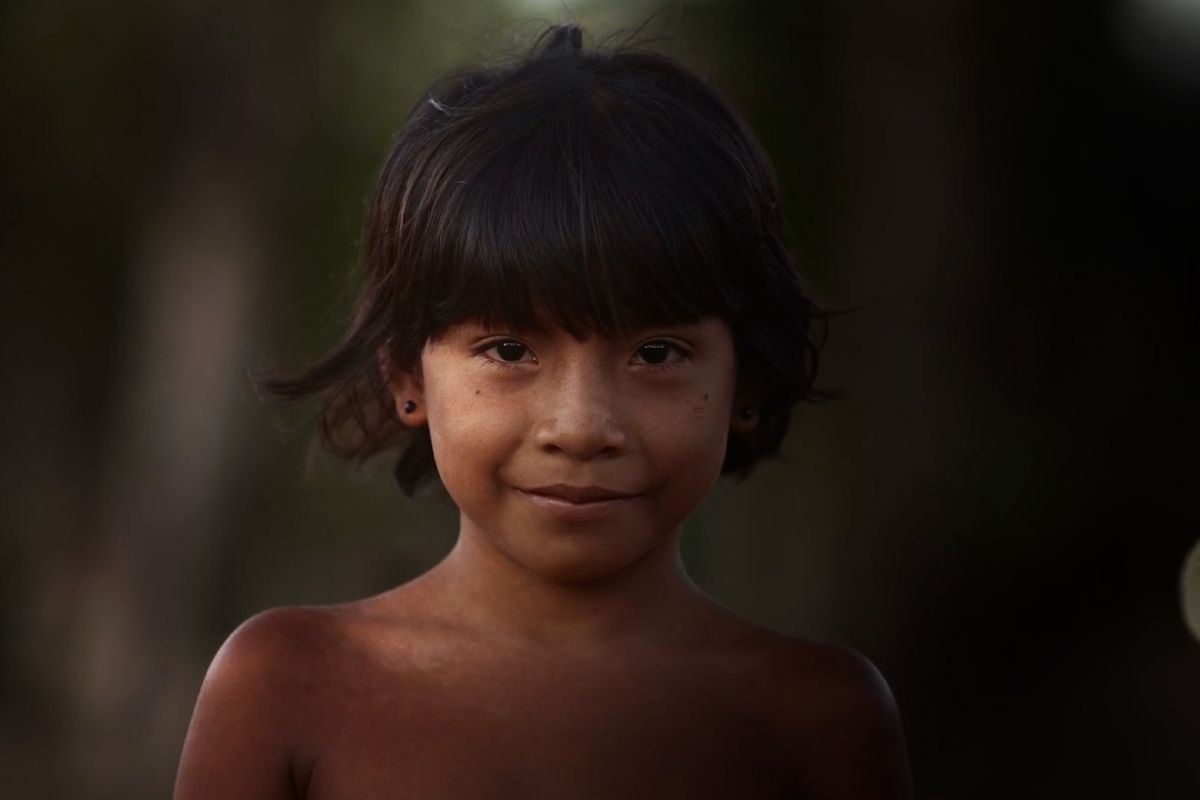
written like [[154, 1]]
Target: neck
[[650, 599]]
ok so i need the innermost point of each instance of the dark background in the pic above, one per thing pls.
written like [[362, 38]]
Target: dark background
[[997, 512]]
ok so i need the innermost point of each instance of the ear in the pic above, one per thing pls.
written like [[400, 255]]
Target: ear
[[407, 389], [745, 414]]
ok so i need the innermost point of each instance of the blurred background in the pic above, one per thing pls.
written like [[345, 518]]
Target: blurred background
[[997, 512]]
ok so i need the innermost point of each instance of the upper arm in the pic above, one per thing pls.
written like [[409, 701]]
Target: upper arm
[[237, 743], [848, 740]]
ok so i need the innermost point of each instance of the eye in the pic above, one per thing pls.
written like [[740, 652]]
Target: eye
[[507, 351], [662, 354]]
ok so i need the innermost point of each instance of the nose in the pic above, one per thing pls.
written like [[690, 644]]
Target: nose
[[582, 417]]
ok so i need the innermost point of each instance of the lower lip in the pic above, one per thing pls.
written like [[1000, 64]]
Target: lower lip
[[577, 512]]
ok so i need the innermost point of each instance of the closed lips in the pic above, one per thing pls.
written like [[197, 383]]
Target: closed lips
[[579, 494]]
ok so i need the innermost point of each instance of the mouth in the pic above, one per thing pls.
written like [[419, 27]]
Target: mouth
[[590, 504], [578, 495]]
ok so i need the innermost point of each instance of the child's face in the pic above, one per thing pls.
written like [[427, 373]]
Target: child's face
[[646, 416]]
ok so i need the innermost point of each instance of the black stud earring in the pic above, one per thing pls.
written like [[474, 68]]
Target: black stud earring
[[410, 407]]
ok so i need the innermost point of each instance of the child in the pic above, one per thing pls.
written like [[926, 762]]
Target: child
[[578, 311]]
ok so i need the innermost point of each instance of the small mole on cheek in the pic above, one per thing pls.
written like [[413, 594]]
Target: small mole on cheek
[[476, 391]]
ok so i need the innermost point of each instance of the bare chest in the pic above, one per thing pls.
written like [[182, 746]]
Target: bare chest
[[542, 734]]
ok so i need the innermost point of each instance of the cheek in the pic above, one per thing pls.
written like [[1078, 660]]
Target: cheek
[[697, 429], [693, 468], [471, 433]]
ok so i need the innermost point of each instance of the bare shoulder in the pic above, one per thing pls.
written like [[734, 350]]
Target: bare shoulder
[[829, 679], [279, 655], [246, 737], [833, 724], [270, 639], [837, 721]]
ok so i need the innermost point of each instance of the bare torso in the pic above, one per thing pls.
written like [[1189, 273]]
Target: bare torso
[[390, 698], [415, 708]]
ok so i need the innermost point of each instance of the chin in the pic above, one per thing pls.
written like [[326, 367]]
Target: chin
[[579, 557]]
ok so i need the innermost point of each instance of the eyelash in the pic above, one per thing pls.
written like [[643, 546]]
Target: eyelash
[[684, 354]]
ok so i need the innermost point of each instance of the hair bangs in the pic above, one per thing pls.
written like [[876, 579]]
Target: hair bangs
[[578, 225]]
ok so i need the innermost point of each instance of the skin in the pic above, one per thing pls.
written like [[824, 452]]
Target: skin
[[548, 658]]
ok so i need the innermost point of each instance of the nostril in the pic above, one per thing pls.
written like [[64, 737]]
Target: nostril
[[582, 438]]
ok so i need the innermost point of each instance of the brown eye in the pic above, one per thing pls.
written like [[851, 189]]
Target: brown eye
[[510, 351], [661, 354], [506, 353], [655, 352]]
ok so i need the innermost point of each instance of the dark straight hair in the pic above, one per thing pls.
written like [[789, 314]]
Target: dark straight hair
[[605, 191]]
